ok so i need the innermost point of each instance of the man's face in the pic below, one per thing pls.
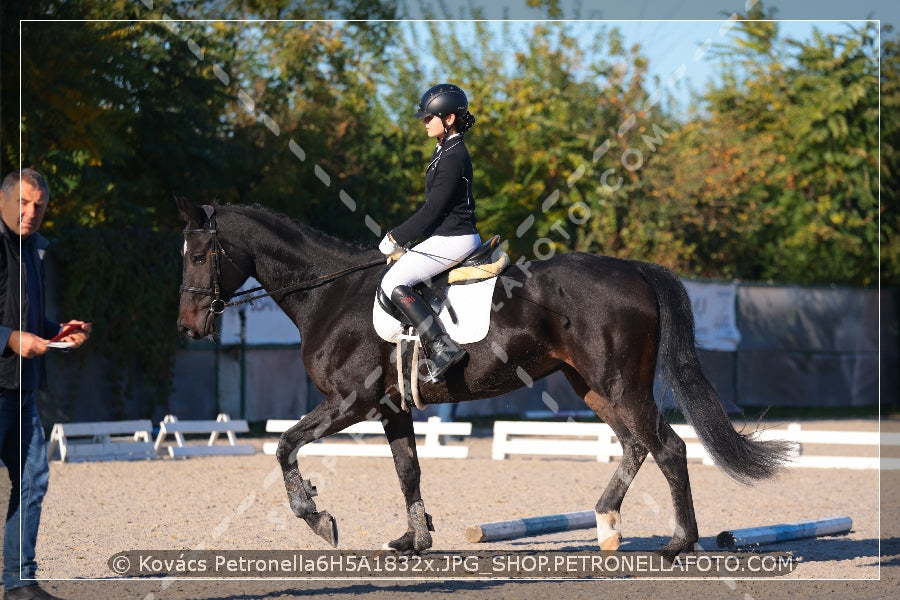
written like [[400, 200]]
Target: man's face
[[25, 217]]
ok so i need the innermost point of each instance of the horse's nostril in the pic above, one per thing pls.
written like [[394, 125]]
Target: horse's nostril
[[186, 331]]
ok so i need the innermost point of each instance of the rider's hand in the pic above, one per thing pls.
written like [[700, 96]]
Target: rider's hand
[[388, 246]]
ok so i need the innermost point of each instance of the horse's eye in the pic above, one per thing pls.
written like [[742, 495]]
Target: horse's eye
[[198, 259]]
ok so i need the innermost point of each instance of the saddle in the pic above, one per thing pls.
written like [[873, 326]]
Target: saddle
[[485, 262]]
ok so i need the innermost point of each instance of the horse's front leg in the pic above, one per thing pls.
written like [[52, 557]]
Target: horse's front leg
[[398, 427], [327, 418]]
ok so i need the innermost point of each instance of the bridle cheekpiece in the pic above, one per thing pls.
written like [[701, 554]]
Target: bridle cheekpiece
[[218, 304]]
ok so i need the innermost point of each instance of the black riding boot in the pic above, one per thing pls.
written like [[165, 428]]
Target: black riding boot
[[440, 349]]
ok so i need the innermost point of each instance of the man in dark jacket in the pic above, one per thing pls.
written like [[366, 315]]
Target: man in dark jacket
[[24, 338]]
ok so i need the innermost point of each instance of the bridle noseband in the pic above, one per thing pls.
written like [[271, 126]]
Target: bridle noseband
[[219, 304]]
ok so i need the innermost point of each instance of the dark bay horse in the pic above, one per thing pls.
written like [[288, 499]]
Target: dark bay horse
[[604, 322]]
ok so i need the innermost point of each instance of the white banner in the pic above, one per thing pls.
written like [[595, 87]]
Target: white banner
[[266, 322], [715, 318]]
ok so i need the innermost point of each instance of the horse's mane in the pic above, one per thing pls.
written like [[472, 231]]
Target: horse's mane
[[290, 222]]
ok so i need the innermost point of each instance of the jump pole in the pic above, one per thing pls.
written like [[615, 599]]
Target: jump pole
[[530, 526], [769, 534]]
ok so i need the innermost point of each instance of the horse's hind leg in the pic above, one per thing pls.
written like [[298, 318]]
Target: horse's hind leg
[[633, 454], [670, 453], [640, 427], [398, 427]]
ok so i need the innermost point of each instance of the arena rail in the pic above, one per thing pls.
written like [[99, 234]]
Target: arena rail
[[598, 440], [432, 429]]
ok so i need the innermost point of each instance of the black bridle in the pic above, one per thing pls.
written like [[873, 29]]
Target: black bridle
[[219, 304]]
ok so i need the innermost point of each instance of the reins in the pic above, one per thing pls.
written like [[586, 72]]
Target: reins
[[218, 304], [303, 285]]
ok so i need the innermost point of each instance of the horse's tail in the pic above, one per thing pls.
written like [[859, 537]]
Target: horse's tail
[[741, 456]]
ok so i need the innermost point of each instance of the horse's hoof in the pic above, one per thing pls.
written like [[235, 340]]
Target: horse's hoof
[[608, 536], [404, 545], [612, 542], [388, 550], [673, 549], [325, 526], [668, 554]]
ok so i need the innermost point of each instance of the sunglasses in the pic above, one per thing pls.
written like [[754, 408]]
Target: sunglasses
[[427, 119]]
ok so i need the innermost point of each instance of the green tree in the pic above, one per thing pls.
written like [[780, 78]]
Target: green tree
[[111, 112], [777, 178], [890, 160], [121, 114], [774, 177], [557, 105]]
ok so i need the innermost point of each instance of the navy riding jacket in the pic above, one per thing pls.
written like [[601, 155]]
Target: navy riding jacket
[[449, 207]]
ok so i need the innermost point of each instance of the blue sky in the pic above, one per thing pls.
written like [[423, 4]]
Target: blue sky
[[671, 47], [886, 10], [670, 31]]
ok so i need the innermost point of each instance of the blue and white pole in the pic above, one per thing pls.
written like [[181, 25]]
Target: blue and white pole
[[530, 526], [769, 534]]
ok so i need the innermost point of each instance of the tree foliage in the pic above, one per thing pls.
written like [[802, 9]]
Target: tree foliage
[[119, 115], [560, 130], [773, 176], [778, 178], [890, 161]]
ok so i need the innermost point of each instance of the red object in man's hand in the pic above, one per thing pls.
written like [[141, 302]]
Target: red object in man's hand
[[68, 329]]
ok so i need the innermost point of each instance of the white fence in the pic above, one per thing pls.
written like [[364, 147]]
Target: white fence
[[598, 440], [170, 425], [101, 440], [433, 429], [130, 440]]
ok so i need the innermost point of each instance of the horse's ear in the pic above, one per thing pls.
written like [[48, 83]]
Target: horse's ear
[[189, 212]]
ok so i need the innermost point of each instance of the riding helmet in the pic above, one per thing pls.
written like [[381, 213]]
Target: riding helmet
[[443, 100]]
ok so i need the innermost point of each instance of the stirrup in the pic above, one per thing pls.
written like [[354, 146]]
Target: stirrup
[[433, 375], [441, 361]]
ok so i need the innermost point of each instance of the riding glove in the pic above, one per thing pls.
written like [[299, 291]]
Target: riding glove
[[388, 246]]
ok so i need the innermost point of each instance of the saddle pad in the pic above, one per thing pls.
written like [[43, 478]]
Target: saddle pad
[[472, 303]]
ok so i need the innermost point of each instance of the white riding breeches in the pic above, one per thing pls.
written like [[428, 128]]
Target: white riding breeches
[[425, 260]]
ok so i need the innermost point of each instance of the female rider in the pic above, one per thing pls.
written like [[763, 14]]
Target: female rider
[[446, 220]]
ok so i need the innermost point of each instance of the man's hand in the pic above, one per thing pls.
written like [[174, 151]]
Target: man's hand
[[27, 345], [79, 336]]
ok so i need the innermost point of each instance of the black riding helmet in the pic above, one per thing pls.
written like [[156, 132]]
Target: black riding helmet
[[443, 100]]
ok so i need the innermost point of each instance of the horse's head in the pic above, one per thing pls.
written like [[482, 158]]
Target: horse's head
[[209, 276]]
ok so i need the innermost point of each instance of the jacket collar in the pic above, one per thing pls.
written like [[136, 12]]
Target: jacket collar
[[40, 242], [444, 140]]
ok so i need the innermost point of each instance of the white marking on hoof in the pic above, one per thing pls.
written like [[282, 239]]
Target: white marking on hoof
[[386, 549], [608, 535]]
